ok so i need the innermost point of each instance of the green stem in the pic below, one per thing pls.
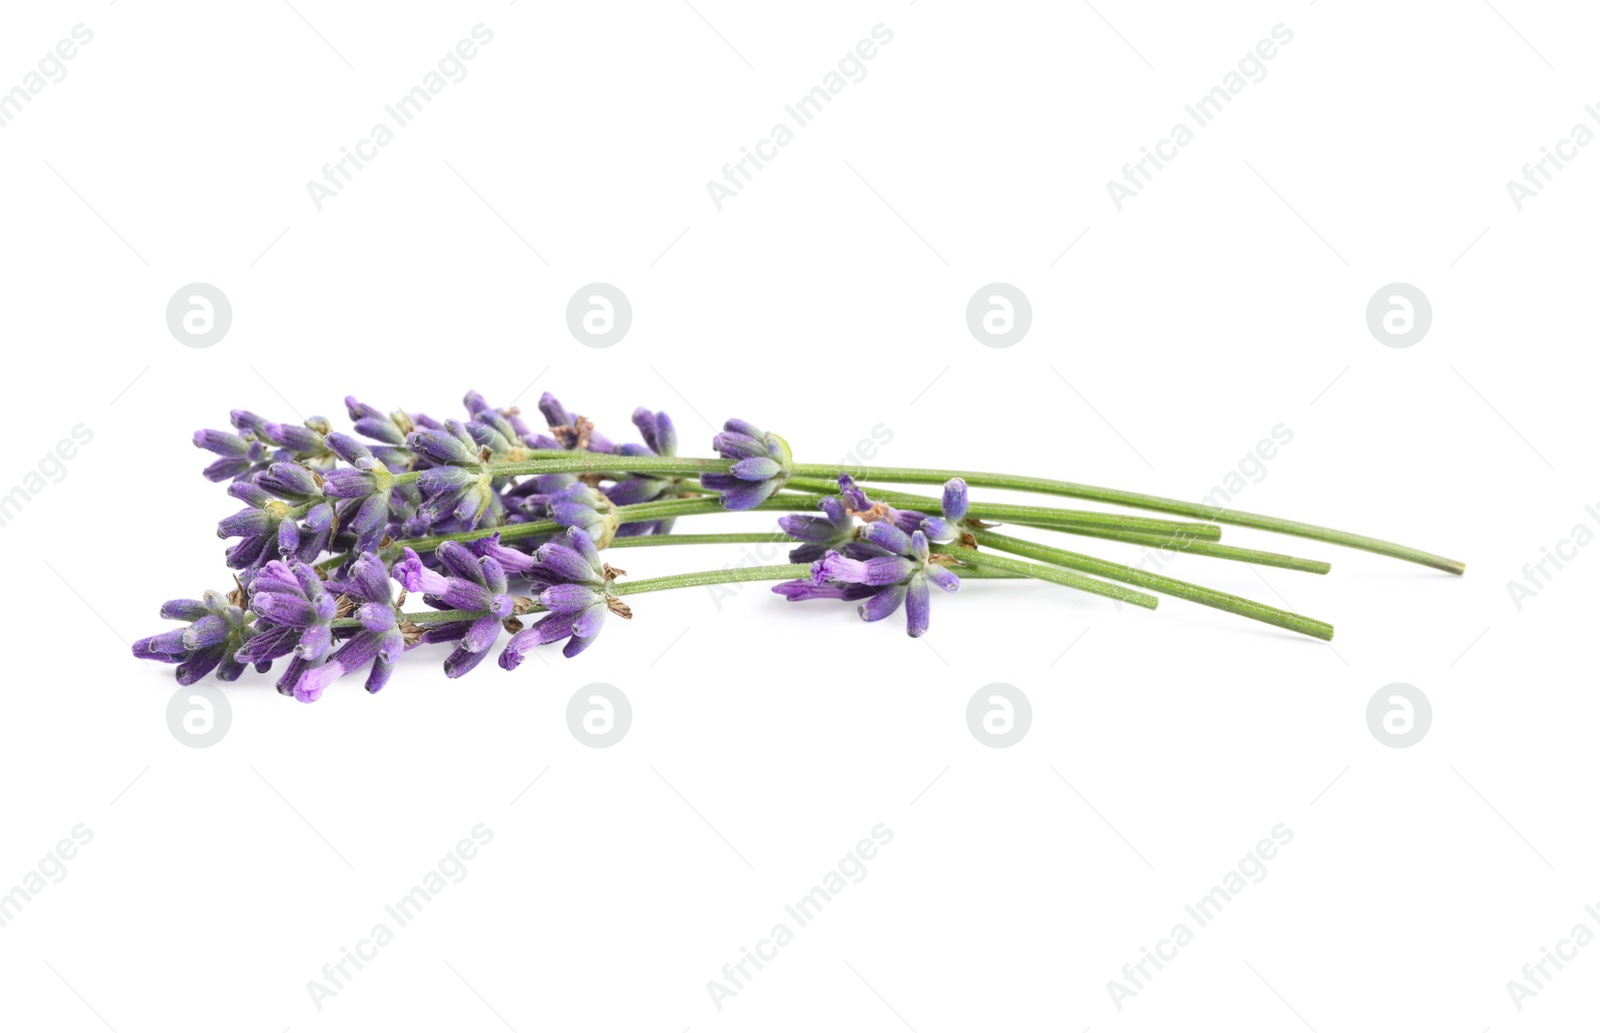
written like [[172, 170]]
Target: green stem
[[1159, 534], [693, 579], [1156, 583], [1053, 574], [559, 461], [735, 538], [1064, 518], [548, 461], [1136, 500]]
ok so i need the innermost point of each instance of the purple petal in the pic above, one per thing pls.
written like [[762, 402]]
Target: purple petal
[[944, 577], [748, 495], [481, 634], [954, 502], [569, 598], [885, 602], [917, 607], [756, 469]]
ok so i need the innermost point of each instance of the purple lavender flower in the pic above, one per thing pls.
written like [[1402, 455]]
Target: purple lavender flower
[[378, 638], [458, 488], [217, 633], [501, 431], [953, 506], [302, 443], [257, 527], [464, 582], [388, 431], [894, 566], [364, 491], [378, 641], [660, 439], [294, 614], [761, 465], [240, 456], [530, 498], [940, 529], [568, 430], [587, 509], [857, 502], [574, 585], [819, 534], [292, 482]]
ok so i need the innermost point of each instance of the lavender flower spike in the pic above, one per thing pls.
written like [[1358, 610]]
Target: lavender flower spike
[[215, 636], [575, 592], [467, 582], [294, 615], [583, 507], [899, 573], [762, 463], [819, 534]]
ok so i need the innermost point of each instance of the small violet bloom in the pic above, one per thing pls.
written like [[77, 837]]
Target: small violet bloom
[[294, 614], [574, 589], [761, 466], [819, 534], [660, 439], [898, 573], [378, 639], [217, 633], [586, 509], [465, 581]]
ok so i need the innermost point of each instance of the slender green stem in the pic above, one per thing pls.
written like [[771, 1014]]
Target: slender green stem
[[1156, 583], [735, 538], [547, 461], [1029, 514], [1053, 574], [1162, 534], [1136, 500], [559, 461], [1218, 551], [775, 572]]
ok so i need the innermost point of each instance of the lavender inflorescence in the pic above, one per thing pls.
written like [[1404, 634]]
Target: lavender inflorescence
[[311, 492]]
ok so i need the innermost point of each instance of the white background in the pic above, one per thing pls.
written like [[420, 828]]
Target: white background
[[825, 299]]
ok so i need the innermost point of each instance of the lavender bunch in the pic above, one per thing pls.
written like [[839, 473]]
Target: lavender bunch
[[499, 528]]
